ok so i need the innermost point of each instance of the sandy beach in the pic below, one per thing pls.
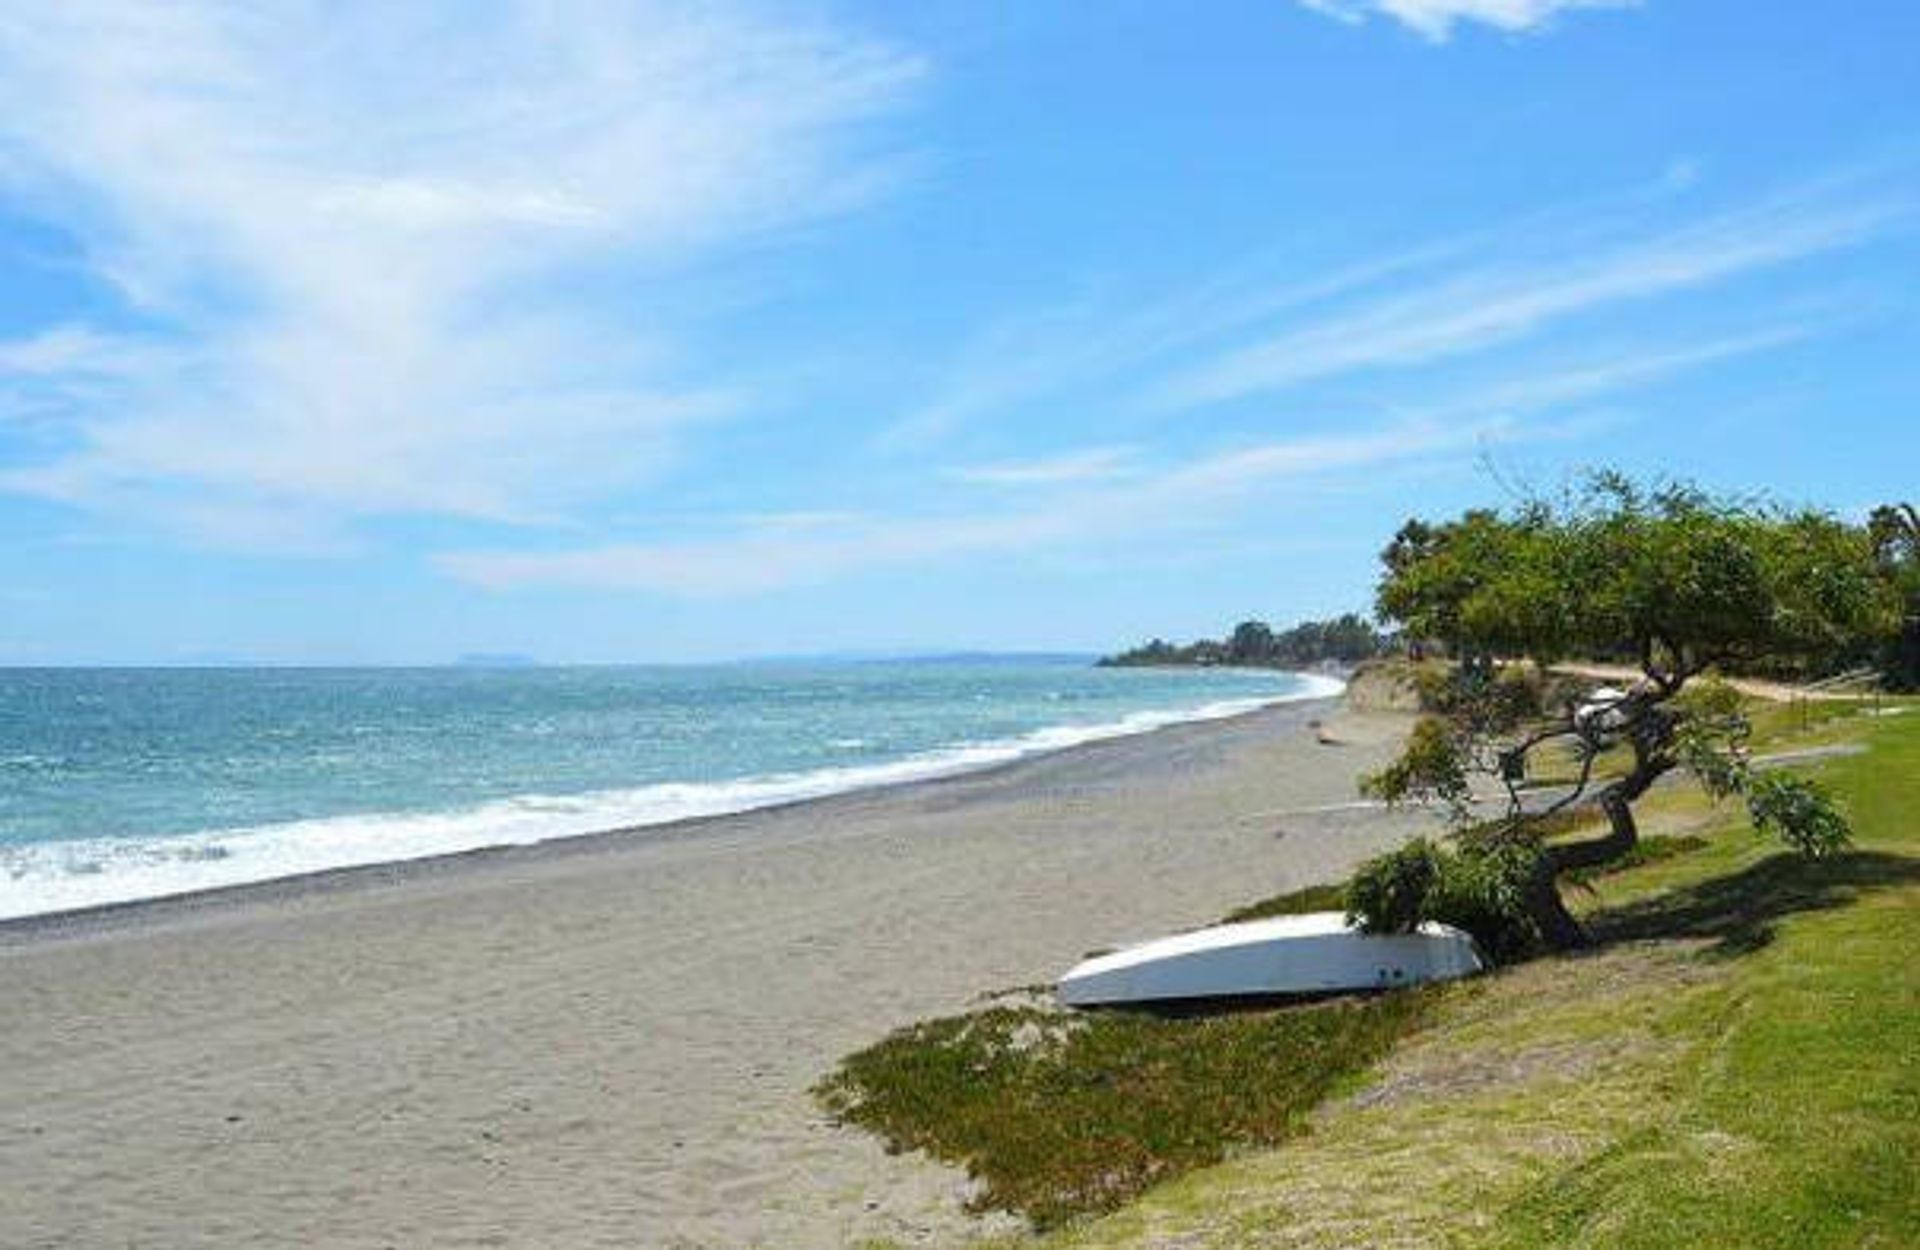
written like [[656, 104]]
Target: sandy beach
[[609, 1041]]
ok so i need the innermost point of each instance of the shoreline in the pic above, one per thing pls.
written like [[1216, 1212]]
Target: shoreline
[[611, 1039], [91, 917]]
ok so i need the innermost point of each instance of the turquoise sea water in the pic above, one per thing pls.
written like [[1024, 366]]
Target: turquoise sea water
[[118, 784]]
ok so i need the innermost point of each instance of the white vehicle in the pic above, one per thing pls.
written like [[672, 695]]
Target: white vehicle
[[1601, 714], [1318, 953]]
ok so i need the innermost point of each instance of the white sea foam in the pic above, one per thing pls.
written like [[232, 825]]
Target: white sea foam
[[43, 878]]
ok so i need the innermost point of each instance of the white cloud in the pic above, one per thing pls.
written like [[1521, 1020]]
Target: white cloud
[[1681, 174], [58, 351], [1471, 311], [1084, 509], [754, 562], [355, 223], [1254, 330], [1092, 464], [1035, 355], [1435, 19]]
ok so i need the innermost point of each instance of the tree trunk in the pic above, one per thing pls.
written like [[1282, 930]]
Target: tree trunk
[[1906, 657], [1557, 925], [1550, 915]]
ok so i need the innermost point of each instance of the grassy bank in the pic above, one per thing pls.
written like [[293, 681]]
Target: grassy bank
[[1735, 1066], [1738, 1066]]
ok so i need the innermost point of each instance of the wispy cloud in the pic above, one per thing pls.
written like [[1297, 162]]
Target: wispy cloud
[[1255, 331], [61, 351], [1681, 173], [1435, 19], [345, 228], [1092, 464], [1477, 309], [754, 561], [1085, 508], [1034, 355]]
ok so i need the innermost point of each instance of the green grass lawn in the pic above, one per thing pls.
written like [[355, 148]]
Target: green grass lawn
[[1739, 1065]]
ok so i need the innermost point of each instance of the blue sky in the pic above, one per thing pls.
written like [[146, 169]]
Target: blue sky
[[613, 331]]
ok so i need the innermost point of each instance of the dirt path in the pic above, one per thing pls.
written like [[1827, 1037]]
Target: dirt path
[[1759, 688]]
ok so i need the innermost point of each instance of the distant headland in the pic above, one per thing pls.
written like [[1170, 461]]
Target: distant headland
[[1346, 639]]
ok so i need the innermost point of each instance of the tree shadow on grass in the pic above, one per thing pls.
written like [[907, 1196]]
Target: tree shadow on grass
[[1738, 911]]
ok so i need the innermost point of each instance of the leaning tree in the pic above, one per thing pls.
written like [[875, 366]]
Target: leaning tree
[[1895, 531], [1670, 579]]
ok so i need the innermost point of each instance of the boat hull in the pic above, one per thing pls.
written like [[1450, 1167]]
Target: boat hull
[[1291, 956]]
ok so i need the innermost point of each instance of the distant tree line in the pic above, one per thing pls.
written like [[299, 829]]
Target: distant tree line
[[1346, 639]]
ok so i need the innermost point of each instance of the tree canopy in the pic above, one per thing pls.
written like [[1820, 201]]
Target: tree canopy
[[1669, 577]]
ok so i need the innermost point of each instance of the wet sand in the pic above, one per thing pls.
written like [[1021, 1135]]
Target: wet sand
[[609, 1041]]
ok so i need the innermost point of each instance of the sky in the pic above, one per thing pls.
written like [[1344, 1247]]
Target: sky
[[600, 331]]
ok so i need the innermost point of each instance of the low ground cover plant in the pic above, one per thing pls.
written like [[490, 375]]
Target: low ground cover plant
[[1057, 1115]]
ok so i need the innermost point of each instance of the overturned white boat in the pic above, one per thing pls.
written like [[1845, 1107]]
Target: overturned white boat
[[1318, 953]]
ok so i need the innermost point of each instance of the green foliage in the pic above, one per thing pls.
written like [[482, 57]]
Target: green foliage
[[1484, 891], [1432, 766], [1712, 700], [1058, 1115], [1345, 639], [1711, 735], [1668, 575], [1436, 575], [1251, 642], [1482, 701], [1393, 892], [1895, 532], [1480, 888], [1798, 811]]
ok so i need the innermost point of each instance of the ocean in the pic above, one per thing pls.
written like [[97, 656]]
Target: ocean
[[119, 784]]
